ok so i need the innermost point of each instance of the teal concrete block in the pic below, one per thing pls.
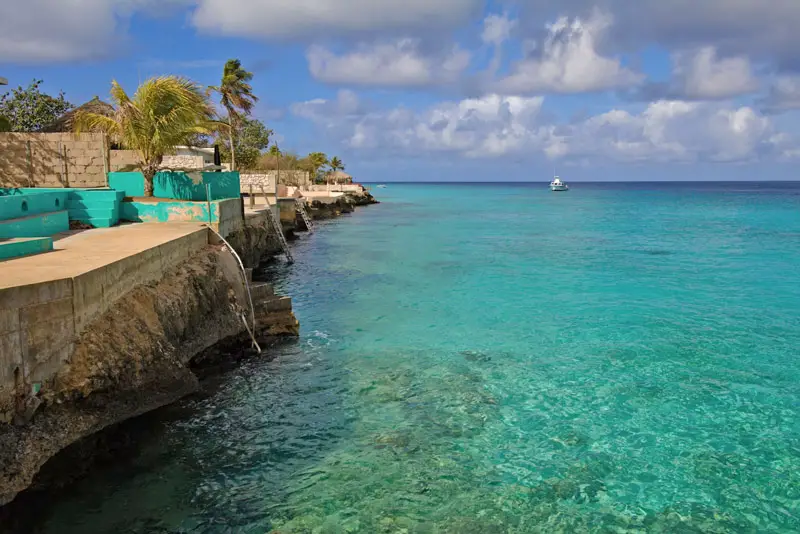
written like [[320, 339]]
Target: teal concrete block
[[14, 206], [97, 195], [16, 248], [130, 184], [42, 225], [168, 210], [79, 214], [179, 185], [73, 204]]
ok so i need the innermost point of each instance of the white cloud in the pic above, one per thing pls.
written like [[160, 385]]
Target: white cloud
[[495, 125], [569, 62], [347, 104], [497, 29], [757, 29], [702, 75], [39, 30], [400, 64], [323, 18], [491, 125], [67, 30], [673, 131]]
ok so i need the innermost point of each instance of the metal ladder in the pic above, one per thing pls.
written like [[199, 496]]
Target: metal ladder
[[276, 227], [301, 207]]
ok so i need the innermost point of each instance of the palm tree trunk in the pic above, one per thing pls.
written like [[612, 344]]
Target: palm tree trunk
[[149, 175], [233, 152]]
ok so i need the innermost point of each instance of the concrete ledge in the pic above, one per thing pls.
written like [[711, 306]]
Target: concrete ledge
[[48, 300]]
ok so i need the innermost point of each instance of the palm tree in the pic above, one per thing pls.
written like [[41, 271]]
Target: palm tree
[[315, 162], [274, 150], [236, 97], [336, 164], [163, 113]]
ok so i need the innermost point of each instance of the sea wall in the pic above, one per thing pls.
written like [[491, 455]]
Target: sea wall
[[81, 354], [40, 323], [135, 357]]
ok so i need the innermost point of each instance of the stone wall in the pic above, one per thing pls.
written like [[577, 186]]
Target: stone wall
[[52, 160], [264, 183], [183, 162], [269, 179], [123, 160]]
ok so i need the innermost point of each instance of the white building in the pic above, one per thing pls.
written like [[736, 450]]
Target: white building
[[191, 157]]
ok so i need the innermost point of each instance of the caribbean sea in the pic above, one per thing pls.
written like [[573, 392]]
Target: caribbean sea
[[498, 358]]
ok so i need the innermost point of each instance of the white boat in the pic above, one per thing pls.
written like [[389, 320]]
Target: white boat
[[558, 185], [381, 186]]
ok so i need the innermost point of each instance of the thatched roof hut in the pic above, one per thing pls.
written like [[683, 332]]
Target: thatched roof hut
[[338, 177], [65, 122]]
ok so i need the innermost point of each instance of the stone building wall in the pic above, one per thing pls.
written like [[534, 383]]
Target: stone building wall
[[52, 160], [269, 180], [183, 162], [260, 183], [123, 160]]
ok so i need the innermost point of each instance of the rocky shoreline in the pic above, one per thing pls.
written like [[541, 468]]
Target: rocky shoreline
[[157, 342]]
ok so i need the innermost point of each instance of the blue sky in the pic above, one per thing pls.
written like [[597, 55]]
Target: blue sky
[[460, 89]]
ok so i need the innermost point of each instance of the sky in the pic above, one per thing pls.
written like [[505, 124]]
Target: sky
[[460, 90]]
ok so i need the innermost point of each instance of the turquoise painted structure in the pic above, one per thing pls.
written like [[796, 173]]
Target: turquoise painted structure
[[15, 248], [169, 211], [15, 203], [32, 213], [226, 214], [97, 207], [44, 212], [179, 185], [42, 225]]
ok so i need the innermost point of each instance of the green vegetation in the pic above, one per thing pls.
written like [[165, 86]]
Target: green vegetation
[[163, 113], [251, 139], [336, 165], [29, 110], [315, 162], [236, 96]]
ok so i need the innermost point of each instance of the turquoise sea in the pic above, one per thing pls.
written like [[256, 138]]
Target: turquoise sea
[[500, 359]]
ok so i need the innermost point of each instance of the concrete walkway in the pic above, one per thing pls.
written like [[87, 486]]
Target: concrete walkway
[[79, 252]]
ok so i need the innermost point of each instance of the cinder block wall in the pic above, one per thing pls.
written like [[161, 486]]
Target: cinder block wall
[[52, 160], [269, 179], [122, 159]]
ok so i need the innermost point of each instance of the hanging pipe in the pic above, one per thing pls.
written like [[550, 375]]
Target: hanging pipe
[[244, 274]]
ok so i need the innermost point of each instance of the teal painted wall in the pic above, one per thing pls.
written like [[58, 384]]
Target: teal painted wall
[[35, 226], [168, 211], [19, 204], [179, 185], [98, 207], [16, 249], [131, 183]]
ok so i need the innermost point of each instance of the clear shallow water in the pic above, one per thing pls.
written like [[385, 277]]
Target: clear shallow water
[[482, 359]]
